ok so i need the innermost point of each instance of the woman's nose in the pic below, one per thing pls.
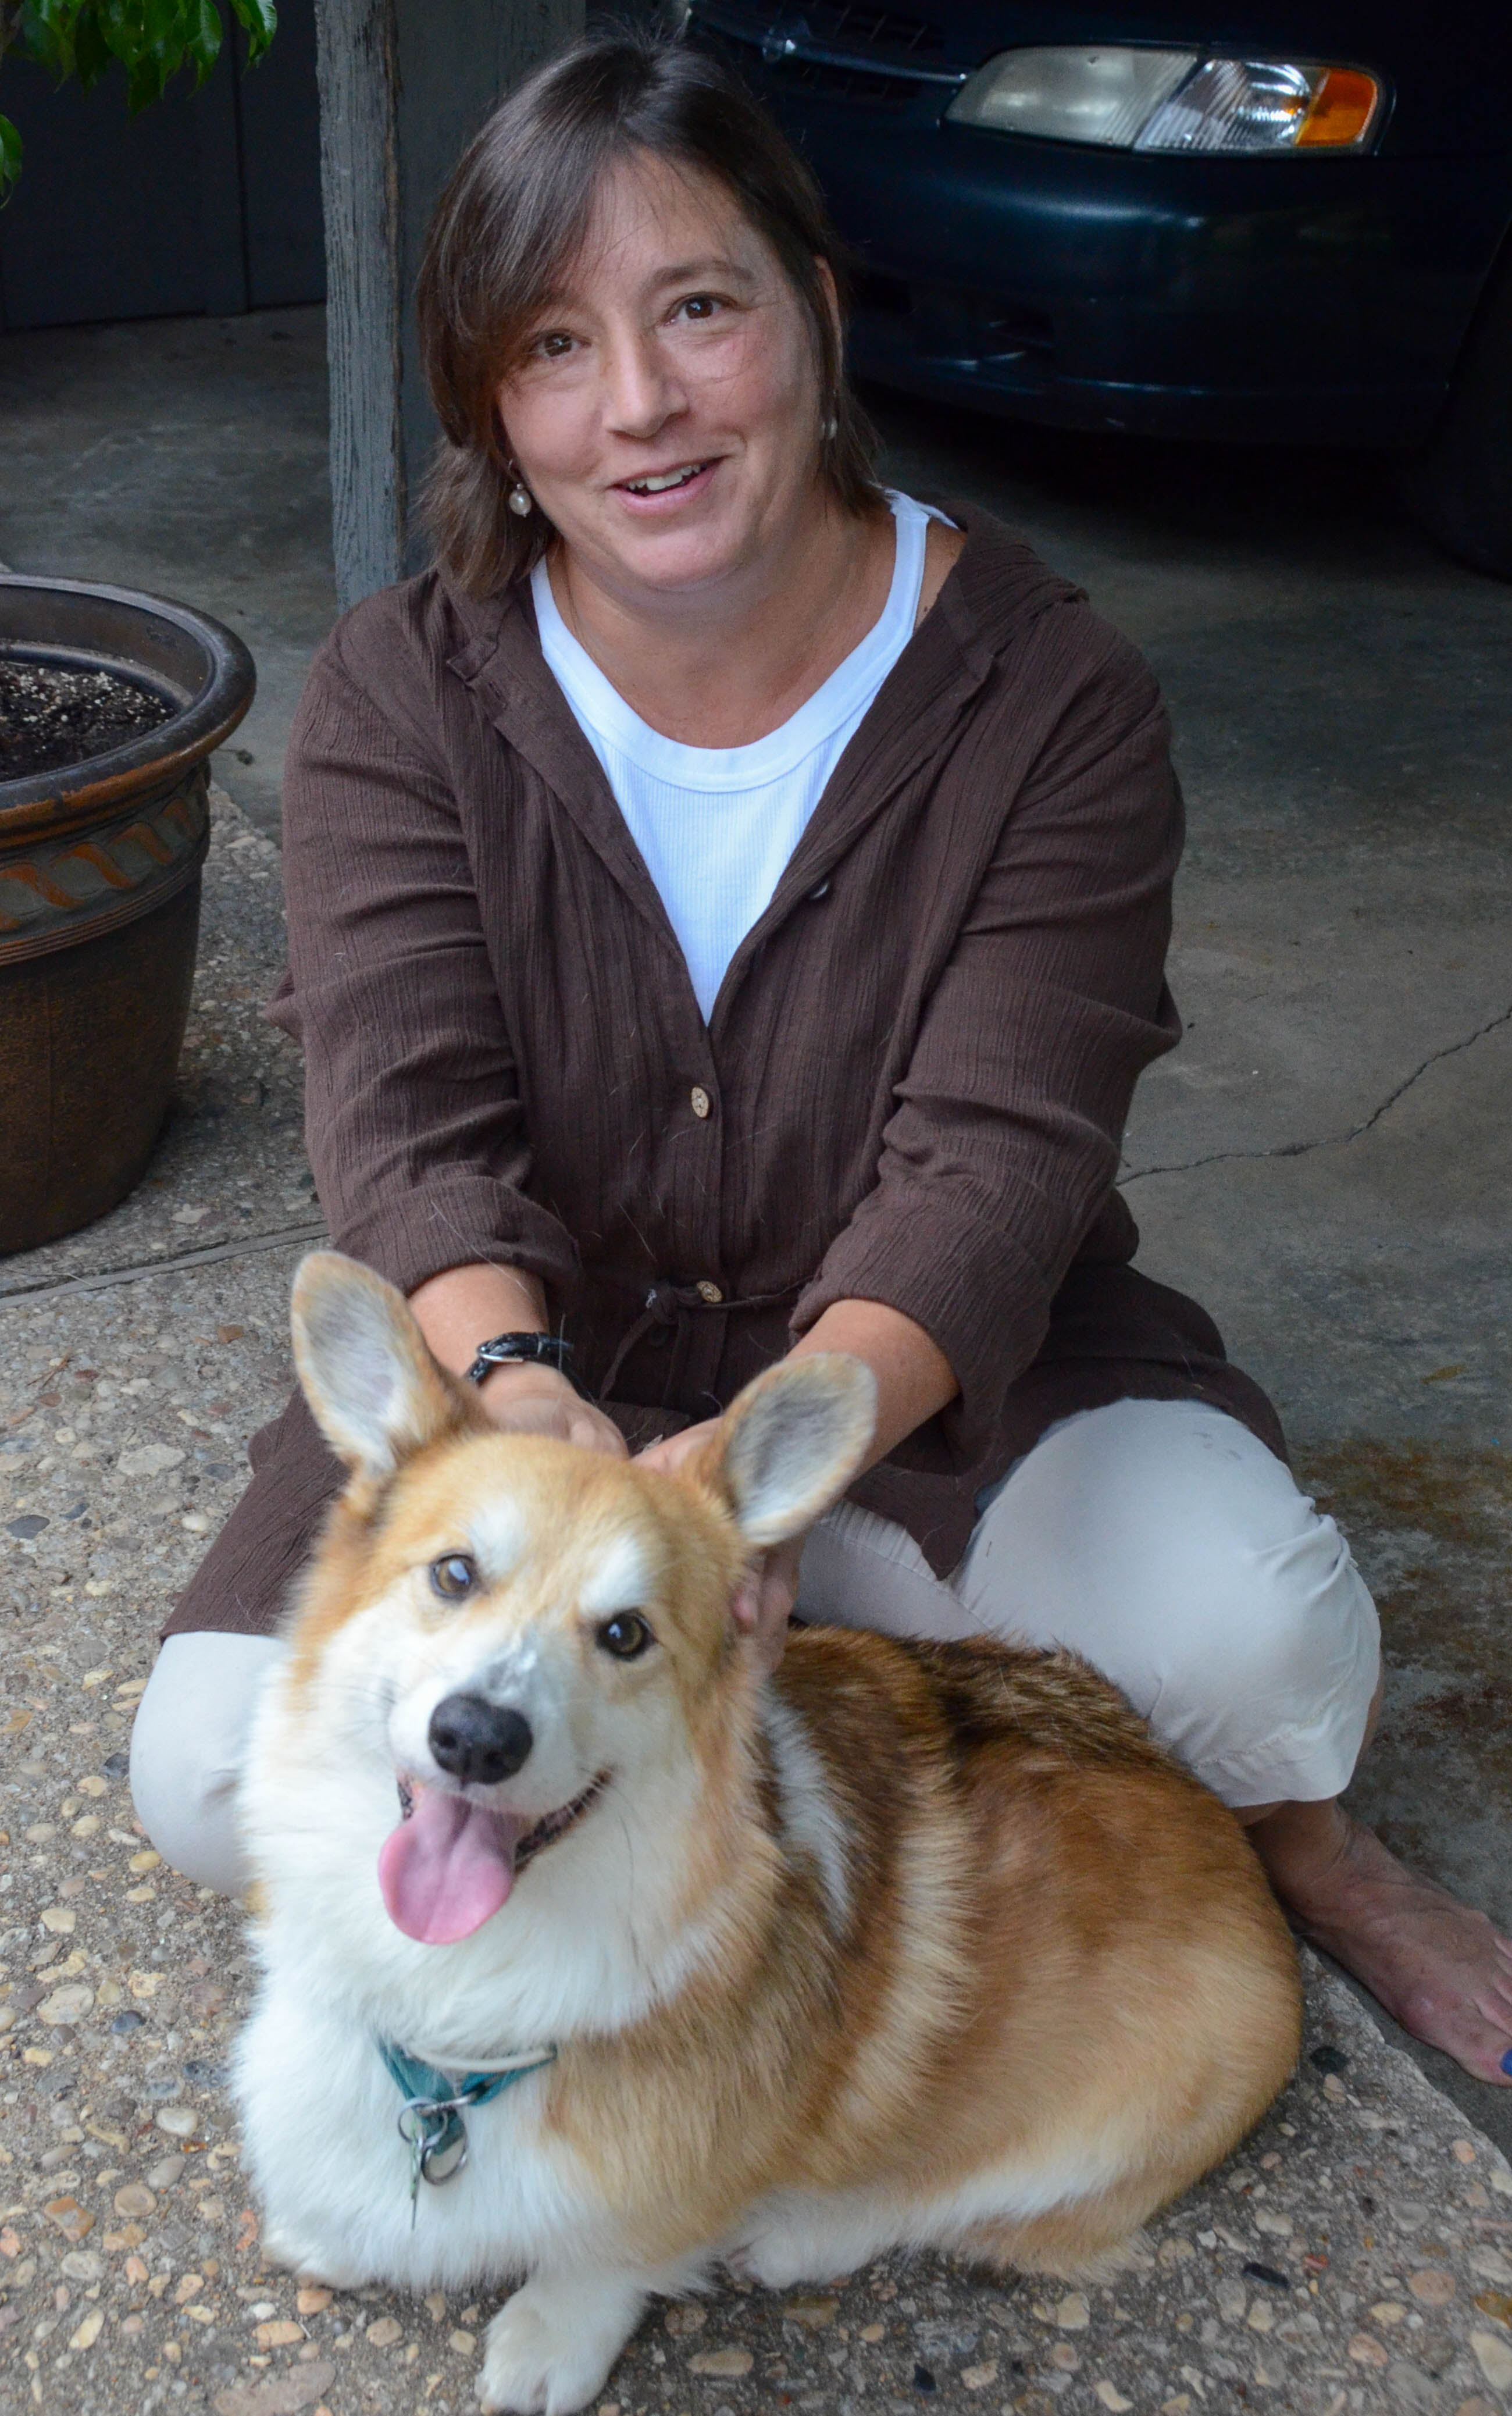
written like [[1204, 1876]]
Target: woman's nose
[[640, 394]]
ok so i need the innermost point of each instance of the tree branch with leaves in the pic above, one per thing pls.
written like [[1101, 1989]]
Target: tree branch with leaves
[[153, 39]]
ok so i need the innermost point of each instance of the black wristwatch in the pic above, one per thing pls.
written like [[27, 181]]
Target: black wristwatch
[[548, 1350]]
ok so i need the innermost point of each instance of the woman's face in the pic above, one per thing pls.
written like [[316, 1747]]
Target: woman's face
[[666, 414]]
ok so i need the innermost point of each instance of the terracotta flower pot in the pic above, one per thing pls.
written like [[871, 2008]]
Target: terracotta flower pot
[[100, 902]]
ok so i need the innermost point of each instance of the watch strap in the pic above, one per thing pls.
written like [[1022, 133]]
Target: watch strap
[[508, 1350]]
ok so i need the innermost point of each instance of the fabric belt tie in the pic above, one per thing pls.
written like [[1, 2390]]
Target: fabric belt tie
[[665, 1304]]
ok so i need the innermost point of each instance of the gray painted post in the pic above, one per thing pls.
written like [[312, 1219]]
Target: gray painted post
[[402, 85]]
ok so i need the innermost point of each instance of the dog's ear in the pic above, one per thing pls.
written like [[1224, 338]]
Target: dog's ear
[[376, 1393], [790, 1443]]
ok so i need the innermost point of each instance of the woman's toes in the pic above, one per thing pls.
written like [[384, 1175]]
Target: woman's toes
[[1445, 2017], [1436, 1964], [1486, 2053]]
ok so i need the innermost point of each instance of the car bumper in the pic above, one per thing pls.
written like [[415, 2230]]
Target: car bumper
[[1293, 300]]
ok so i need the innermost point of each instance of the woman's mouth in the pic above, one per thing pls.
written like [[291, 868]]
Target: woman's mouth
[[665, 482]]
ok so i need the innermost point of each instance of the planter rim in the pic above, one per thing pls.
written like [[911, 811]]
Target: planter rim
[[70, 793]]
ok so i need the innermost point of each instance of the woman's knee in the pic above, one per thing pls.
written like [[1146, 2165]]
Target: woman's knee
[[1174, 1552], [1268, 1665], [860, 1570], [187, 1744]]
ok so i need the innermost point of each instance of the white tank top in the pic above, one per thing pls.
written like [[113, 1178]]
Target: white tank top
[[716, 826]]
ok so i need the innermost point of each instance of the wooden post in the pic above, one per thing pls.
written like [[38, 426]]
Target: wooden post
[[402, 85]]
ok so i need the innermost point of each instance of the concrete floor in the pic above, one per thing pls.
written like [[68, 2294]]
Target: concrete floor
[[185, 455], [1325, 1162]]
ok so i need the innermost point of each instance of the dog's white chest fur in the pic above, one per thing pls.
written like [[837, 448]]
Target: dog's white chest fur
[[321, 2116]]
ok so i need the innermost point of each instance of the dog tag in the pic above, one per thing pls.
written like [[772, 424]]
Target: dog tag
[[437, 2138], [447, 2157]]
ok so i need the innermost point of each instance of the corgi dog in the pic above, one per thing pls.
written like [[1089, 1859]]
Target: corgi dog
[[595, 1958]]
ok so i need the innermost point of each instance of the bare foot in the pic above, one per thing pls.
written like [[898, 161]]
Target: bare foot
[[1438, 1966]]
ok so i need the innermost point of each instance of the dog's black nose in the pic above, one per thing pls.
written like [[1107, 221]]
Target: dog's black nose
[[472, 1738]]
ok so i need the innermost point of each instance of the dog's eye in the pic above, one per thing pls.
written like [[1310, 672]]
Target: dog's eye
[[453, 1577], [626, 1636]]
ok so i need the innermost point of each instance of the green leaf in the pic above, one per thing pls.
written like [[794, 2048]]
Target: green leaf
[[9, 158], [148, 38], [45, 28], [113, 26], [91, 53], [258, 19], [205, 49], [153, 39]]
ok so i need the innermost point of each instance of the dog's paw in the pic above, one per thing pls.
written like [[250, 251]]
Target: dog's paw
[[1099, 2265], [308, 2264], [551, 2347], [776, 2254]]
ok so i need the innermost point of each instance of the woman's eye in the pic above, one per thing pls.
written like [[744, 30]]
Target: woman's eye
[[554, 346], [699, 305], [453, 1577], [626, 1636]]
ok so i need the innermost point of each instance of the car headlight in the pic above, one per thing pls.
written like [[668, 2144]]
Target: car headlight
[[1171, 100]]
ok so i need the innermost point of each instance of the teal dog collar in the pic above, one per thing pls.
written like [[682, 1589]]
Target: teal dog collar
[[430, 2121]]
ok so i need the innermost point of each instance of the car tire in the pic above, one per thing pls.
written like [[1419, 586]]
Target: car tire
[[1459, 486]]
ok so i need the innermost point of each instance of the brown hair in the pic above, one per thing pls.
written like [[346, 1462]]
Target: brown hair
[[518, 205]]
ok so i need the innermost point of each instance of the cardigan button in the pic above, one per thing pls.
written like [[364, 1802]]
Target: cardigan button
[[709, 1293], [700, 1100]]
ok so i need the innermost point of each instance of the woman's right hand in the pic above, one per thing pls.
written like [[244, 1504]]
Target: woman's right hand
[[525, 1397]]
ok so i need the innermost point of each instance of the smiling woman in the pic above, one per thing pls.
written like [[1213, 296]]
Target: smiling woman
[[555, 183], [727, 906]]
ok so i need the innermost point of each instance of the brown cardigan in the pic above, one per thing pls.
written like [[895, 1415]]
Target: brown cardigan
[[919, 1063]]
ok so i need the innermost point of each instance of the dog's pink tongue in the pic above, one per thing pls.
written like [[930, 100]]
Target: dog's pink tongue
[[448, 1868]]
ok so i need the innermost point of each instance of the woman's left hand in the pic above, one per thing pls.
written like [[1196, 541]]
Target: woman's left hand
[[769, 1588]]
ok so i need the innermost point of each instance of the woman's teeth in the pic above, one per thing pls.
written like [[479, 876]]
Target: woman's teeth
[[659, 484]]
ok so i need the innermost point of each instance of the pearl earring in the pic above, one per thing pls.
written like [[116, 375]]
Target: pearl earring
[[521, 501], [831, 428]]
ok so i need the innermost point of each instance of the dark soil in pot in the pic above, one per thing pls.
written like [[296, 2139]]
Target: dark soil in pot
[[51, 718], [119, 700]]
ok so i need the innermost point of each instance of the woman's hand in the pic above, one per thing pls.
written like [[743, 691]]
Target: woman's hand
[[526, 1397], [769, 1588], [768, 1594], [456, 1309]]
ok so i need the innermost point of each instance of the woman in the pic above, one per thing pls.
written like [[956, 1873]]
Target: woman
[[727, 912]]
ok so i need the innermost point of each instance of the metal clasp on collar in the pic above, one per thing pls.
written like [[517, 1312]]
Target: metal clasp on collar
[[430, 2120], [436, 2135]]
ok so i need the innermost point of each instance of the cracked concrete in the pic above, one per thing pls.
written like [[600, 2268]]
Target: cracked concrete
[[1327, 1159], [1325, 1141]]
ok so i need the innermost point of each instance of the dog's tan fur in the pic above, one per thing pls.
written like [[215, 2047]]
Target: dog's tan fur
[[1053, 1953], [1058, 1935]]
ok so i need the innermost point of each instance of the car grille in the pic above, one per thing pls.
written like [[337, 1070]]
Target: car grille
[[879, 57], [882, 30]]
